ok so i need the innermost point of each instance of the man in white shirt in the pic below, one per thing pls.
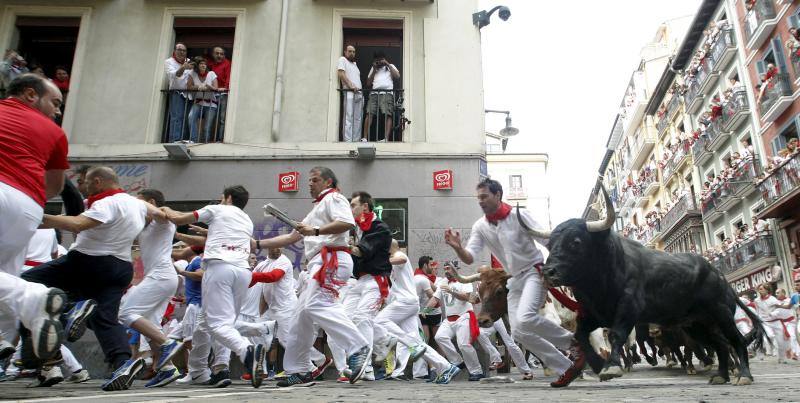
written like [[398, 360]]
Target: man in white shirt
[[42, 248], [226, 276], [381, 99], [501, 232], [350, 79], [177, 68], [144, 304], [99, 266], [324, 232]]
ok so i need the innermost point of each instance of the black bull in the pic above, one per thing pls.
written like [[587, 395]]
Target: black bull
[[620, 283]]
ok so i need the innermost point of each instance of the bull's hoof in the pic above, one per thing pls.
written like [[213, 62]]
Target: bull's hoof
[[691, 371], [717, 380], [705, 368], [610, 373], [743, 381], [671, 364], [652, 361], [628, 368]]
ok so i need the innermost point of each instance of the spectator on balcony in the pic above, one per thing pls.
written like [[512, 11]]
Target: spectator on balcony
[[177, 69], [350, 81], [221, 66], [204, 83], [381, 103], [12, 66], [793, 43], [761, 227], [746, 151]]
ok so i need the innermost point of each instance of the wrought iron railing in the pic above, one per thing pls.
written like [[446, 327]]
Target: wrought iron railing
[[371, 115], [677, 212], [735, 104], [724, 41], [762, 246], [782, 181], [692, 89], [762, 10], [196, 116], [778, 86], [681, 152], [707, 137]]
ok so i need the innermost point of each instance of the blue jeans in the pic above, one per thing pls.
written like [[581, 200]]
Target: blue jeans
[[178, 107], [221, 112], [208, 114]]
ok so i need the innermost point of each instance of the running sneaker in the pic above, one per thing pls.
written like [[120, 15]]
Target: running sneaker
[[254, 363], [123, 377], [448, 375], [383, 347], [319, 370], [343, 378], [416, 351], [168, 351], [528, 376], [48, 377], [476, 377], [164, 378], [77, 318], [221, 379], [573, 371], [297, 380], [357, 363], [6, 349], [46, 332], [369, 375], [271, 375], [79, 376]]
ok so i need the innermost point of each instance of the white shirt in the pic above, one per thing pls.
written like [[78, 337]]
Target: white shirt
[[332, 207], [351, 71], [422, 285], [382, 80], [252, 300], [764, 307], [229, 232], [155, 241], [508, 242], [122, 218], [452, 305], [42, 246], [171, 66], [403, 285], [280, 295], [204, 98]]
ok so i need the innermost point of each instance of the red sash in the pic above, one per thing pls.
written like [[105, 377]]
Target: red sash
[[326, 275], [32, 263]]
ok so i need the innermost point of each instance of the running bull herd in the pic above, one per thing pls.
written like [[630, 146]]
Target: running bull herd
[[672, 300]]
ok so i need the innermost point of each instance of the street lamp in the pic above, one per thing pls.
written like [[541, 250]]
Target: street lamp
[[481, 18], [507, 131]]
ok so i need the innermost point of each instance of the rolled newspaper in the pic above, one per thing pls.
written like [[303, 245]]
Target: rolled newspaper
[[269, 209]]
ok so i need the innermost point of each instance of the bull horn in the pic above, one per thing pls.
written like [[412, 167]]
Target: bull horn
[[608, 222], [469, 279], [544, 234]]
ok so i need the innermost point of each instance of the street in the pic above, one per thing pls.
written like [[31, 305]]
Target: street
[[772, 382]]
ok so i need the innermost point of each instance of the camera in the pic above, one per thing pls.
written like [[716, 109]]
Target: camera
[[504, 13]]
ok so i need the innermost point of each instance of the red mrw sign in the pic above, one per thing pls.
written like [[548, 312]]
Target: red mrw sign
[[443, 180], [288, 182]]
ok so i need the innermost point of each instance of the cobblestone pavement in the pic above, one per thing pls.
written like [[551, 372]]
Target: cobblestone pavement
[[772, 382]]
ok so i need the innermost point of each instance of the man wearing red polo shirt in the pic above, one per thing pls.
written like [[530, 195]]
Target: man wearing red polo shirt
[[221, 66]]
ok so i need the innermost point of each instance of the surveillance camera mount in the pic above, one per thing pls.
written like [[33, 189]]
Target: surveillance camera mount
[[481, 18]]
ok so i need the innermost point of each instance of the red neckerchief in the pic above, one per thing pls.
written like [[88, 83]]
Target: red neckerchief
[[102, 195], [496, 263], [62, 85], [203, 76], [421, 272], [176, 59], [502, 212], [324, 193], [364, 220]]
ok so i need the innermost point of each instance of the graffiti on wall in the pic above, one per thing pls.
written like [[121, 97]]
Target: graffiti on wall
[[270, 227], [132, 177], [430, 242]]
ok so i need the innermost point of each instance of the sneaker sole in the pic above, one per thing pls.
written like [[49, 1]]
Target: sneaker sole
[[222, 384], [7, 352], [321, 369], [300, 385], [77, 327], [257, 370], [165, 382], [165, 360], [123, 382], [50, 382], [48, 339], [355, 377], [76, 381]]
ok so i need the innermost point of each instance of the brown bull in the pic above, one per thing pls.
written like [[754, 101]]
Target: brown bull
[[492, 291]]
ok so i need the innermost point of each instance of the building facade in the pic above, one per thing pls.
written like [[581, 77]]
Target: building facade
[[284, 110]]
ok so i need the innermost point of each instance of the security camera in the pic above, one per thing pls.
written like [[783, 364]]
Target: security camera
[[504, 13]]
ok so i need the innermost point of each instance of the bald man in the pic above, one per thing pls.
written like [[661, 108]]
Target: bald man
[[99, 266]]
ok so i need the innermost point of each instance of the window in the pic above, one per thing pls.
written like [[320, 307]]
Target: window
[[720, 236], [789, 132], [377, 113], [394, 212], [200, 122], [515, 182]]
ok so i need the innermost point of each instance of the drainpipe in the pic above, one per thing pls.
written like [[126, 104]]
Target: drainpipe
[[277, 104]]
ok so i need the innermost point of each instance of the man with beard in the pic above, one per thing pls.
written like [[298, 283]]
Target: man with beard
[[350, 80]]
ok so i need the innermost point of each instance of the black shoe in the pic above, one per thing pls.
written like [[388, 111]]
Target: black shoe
[[397, 378], [476, 377], [221, 379], [254, 364], [297, 380]]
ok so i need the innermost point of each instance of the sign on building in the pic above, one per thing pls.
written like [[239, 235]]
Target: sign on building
[[443, 180], [289, 181], [132, 177]]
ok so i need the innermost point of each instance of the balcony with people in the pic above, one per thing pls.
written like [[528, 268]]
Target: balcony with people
[[736, 181], [774, 92], [676, 153], [666, 113], [646, 233], [735, 108], [724, 48], [634, 103], [780, 184], [704, 69], [680, 206], [760, 20], [708, 136], [748, 249], [645, 185]]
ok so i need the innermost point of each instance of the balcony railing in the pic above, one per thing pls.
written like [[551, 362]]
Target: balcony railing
[[692, 91], [762, 10], [372, 115], [725, 42], [734, 109], [701, 146], [778, 86], [196, 116], [673, 105], [683, 207], [750, 251], [782, 181], [681, 152], [702, 71], [727, 194]]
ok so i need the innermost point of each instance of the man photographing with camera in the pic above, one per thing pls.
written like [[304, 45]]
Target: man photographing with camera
[[381, 99]]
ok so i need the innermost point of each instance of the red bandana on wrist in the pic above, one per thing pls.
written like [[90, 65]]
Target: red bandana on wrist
[[324, 193], [364, 220], [502, 212], [102, 195], [421, 272]]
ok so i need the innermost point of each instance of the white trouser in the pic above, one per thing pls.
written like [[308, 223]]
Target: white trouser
[[513, 349], [19, 300], [70, 364], [744, 327], [770, 344], [526, 295], [148, 299], [224, 292], [782, 343], [353, 107], [202, 345], [791, 327], [399, 319], [317, 305], [362, 303], [419, 368], [188, 324], [20, 216], [282, 323], [460, 330]]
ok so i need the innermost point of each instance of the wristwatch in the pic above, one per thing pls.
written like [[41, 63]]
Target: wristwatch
[[316, 231]]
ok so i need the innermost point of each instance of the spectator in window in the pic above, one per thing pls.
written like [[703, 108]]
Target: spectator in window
[[381, 77], [203, 82], [12, 66], [221, 66], [177, 69], [38, 70], [350, 81], [61, 80]]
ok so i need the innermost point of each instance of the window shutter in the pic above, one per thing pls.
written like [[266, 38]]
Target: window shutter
[[777, 144], [780, 59], [794, 21], [760, 68]]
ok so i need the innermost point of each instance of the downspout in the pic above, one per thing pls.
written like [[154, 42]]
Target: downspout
[[277, 104]]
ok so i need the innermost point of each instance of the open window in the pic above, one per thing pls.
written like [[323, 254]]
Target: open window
[[787, 134]]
